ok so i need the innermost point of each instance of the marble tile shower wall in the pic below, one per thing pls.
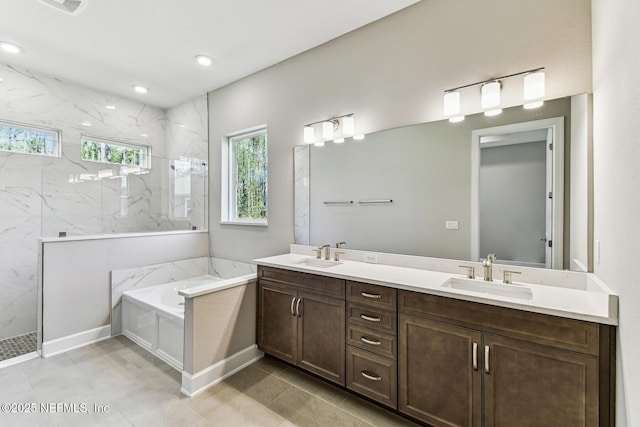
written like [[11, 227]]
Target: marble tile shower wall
[[39, 199]]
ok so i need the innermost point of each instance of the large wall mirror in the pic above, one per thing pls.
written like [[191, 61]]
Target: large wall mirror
[[452, 190]]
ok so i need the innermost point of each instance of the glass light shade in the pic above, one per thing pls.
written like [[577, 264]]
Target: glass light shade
[[534, 85], [491, 94], [359, 137], [319, 144], [327, 130], [10, 47], [532, 105], [348, 125], [309, 135], [451, 103], [338, 140], [491, 113], [456, 119]]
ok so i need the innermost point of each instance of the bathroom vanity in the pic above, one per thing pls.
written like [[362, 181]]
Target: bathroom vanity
[[439, 354]]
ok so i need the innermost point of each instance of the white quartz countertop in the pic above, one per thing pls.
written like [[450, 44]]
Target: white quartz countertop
[[591, 305]]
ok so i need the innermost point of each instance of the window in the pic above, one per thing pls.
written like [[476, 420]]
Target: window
[[28, 139], [245, 189], [114, 152]]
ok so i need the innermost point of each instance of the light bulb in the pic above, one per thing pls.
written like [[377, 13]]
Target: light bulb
[[532, 105], [491, 113], [456, 119], [338, 140], [319, 144], [359, 137]]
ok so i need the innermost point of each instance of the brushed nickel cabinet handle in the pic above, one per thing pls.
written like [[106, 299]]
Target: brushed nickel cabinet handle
[[370, 318], [368, 295], [293, 301], [298, 307], [368, 341], [475, 356], [369, 376], [486, 359]]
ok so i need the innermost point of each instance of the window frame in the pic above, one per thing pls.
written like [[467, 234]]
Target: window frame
[[57, 133], [228, 212], [145, 161]]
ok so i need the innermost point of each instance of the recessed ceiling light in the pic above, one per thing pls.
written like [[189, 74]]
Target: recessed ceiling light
[[88, 124], [203, 60], [10, 47], [110, 107], [140, 89]]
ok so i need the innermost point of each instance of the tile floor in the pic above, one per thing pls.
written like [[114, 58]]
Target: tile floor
[[17, 346], [140, 390]]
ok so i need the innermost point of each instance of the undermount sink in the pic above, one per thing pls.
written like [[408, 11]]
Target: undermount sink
[[318, 263], [492, 288]]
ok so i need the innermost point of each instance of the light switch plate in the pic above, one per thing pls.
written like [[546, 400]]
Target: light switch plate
[[451, 225]]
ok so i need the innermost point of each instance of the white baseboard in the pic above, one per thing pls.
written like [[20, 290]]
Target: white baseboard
[[208, 377], [60, 345]]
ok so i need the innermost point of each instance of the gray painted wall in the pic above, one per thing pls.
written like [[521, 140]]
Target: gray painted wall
[[512, 201], [390, 73]]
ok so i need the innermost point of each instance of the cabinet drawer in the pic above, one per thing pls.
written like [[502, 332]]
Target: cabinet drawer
[[373, 341], [569, 334], [311, 282], [364, 293], [372, 375], [372, 317]]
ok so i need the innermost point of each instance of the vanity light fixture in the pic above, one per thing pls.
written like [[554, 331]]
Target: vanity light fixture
[[359, 137], [335, 128], [140, 89], [204, 60], [319, 144], [10, 47], [534, 90]]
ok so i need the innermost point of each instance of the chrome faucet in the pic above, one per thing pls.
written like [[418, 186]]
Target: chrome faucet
[[487, 264], [337, 253], [327, 252]]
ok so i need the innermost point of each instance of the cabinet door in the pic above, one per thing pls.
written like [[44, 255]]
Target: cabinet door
[[528, 384], [277, 324], [321, 336], [439, 373]]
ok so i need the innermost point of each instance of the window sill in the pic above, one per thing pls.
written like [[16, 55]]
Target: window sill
[[251, 223]]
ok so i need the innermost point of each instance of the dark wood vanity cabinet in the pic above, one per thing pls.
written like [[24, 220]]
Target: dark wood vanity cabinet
[[469, 364], [301, 320], [442, 361]]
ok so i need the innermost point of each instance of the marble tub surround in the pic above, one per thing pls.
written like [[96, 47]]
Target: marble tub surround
[[147, 276], [577, 297], [228, 269]]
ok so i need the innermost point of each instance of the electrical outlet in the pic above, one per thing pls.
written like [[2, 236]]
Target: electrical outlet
[[451, 225], [596, 251], [371, 257]]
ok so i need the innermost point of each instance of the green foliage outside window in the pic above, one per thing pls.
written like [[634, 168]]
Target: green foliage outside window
[[27, 140], [250, 164], [108, 152]]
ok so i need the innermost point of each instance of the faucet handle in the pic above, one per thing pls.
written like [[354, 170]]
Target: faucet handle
[[507, 276], [340, 244], [491, 258], [318, 252], [471, 271]]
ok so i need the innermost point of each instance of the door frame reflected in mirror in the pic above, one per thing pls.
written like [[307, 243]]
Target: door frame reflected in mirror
[[556, 127]]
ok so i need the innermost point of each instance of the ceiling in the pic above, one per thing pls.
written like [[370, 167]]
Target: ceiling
[[113, 45]]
